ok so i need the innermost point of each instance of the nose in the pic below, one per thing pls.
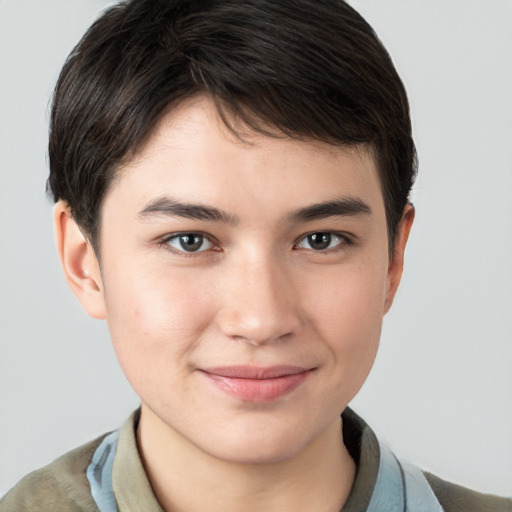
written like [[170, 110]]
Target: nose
[[259, 305]]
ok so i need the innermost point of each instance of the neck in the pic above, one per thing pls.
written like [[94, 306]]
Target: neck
[[185, 478]]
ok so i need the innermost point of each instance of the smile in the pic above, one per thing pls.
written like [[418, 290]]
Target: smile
[[255, 384]]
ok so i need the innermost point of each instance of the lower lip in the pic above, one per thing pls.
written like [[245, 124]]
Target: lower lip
[[258, 390]]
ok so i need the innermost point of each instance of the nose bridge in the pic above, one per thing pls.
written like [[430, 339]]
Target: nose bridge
[[259, 303]]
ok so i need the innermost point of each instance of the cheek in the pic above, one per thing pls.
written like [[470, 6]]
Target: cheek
[[156, 320], [348, 315], [351, 297]]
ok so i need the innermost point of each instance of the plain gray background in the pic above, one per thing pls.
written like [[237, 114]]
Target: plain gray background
[[440, 392]]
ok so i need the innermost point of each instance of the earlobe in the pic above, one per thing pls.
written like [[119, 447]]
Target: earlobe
[[79, 262], [396, 263]]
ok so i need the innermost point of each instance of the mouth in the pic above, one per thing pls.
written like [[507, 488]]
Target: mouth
[[257, 384]]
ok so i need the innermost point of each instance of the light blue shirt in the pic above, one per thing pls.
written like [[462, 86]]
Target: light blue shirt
[[399, 487]]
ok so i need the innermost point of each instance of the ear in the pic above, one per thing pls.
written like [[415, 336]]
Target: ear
[[396, 263], [79, 262]]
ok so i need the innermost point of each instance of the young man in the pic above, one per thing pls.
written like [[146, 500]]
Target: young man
[[231, 182]]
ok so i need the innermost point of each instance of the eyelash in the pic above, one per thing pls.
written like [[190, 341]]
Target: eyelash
[[344, 242], [165, 243]]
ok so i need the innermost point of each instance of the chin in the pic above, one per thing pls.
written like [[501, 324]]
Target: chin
[[257, 446], [256, 455]]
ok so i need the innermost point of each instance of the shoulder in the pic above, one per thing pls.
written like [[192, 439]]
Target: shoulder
[[61, 486], [455, 498]]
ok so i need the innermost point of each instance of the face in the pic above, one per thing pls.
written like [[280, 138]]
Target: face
[[244, 283]]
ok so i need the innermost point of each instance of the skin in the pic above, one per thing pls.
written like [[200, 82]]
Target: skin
[[257, 293]]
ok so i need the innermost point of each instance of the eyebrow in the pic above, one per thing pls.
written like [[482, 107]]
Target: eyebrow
[[344, 207], [165, 206], [170, 207]]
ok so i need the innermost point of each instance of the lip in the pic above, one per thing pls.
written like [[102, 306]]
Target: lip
[[257, 384]]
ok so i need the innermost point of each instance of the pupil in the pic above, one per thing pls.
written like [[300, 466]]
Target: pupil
[[191, 242], [319, 241]]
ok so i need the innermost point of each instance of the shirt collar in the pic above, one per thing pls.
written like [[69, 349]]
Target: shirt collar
[[133, 490], [130, 482]]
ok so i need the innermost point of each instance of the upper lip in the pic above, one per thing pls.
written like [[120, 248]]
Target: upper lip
[[255, 372]]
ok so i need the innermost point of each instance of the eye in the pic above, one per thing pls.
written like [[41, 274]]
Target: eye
[[188, 242], [321, 241]]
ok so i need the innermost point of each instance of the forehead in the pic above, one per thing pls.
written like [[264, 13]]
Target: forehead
[[192, 154]]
